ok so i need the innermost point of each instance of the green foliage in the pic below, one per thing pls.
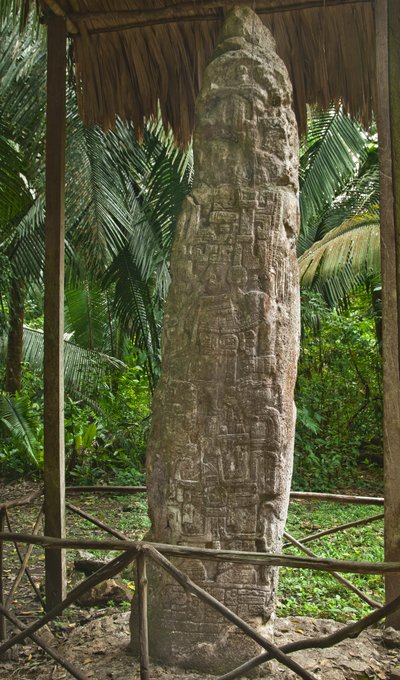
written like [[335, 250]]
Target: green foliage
[[303, 592], [106, 424], [330, 154], [346, 256], [109, 441], [338, 394], [21, 428], [339, 199], [122, 200]]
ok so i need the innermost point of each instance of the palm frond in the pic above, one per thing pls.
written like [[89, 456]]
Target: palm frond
[[23, 89], [17, 12], [332, 153], [84, 369], [14, 195], [345, 256], [25, 243], [97, 210], [159, 176], [15, 417], [86, 315], [360, 196], [136, 308]]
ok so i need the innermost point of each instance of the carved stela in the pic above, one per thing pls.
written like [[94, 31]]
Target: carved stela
[[221, 446]]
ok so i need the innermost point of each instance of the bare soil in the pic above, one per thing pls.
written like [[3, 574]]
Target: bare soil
[[99, 648]]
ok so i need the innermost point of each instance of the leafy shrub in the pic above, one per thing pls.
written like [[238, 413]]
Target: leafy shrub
[[110, 440], [338, 393], [21, 428], [105, 435]]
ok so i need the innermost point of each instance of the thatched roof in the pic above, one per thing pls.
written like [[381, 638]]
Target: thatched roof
[[135, 55]]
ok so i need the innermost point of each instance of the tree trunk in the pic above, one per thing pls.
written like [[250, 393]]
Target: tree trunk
[[221, 447], [15, 337]]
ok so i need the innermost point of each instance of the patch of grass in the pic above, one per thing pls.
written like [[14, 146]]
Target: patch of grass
[[301, 592], [134, 518], [310, 593], [125, 513]]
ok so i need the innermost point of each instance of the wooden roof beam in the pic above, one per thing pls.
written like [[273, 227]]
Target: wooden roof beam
[[187, 11], [59, 12]]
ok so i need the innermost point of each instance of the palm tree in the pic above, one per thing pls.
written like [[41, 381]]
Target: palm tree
[[21, 131], [121, 203], [122, 200], [339, 241]]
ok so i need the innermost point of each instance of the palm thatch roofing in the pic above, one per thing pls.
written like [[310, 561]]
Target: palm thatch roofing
[[135, 57]]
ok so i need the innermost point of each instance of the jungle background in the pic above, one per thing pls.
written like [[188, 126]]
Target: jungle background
[[122, 202]]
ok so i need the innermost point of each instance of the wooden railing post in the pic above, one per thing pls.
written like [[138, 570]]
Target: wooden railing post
[[143, 627], [3, 631]]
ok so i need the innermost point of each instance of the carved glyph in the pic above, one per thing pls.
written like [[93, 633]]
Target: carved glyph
[[220, 452]]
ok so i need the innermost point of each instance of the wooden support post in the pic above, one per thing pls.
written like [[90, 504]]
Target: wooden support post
[[143, 627], [54, 311], [3, 630], [387, 15]]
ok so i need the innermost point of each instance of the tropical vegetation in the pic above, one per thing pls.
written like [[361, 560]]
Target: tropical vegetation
[[122, 199], [122, 202]]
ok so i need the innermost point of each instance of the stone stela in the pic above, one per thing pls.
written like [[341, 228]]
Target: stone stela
[[221, 446]]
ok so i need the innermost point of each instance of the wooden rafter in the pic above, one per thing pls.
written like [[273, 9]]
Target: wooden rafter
[[123, 20]]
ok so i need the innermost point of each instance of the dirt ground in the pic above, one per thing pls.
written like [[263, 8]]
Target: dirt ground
[[99, 649]]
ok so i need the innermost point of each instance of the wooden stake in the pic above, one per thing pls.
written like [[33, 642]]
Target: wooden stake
[[18, 502], [54, 310], [143, 627], [24, 563], [97, 522], [387, 20], [120, 490], [3, 629], [294, 495], [340, 527], [336, 498], [238, 557]]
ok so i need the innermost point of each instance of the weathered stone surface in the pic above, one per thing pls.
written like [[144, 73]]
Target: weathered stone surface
[[220, 451]]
